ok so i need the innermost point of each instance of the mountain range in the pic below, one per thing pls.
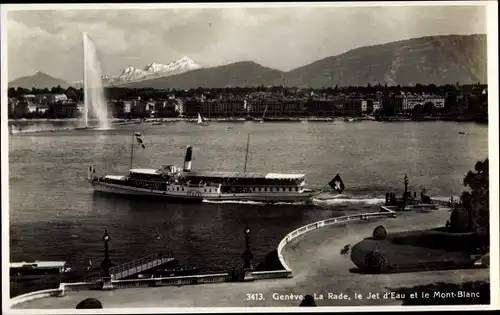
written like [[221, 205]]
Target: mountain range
[[436, 60], [39, 80], [151, 71]]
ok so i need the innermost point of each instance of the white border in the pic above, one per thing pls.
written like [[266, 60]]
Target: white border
[[492, 38], [124, 6], [5, 163], [492, 46]]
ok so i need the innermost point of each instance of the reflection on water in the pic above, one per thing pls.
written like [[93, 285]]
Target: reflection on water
[[32, 126]]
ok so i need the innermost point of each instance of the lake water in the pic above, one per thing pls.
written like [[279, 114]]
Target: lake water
[[54, 214]]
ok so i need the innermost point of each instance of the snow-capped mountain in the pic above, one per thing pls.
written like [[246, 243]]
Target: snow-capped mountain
[[154, 70], [182, 65], [131, 74]]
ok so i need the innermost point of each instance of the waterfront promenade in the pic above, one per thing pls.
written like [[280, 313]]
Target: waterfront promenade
[[317, 268]]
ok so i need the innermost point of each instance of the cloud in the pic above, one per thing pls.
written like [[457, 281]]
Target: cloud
[[282, 38]]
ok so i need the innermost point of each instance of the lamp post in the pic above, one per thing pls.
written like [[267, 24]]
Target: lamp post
[[405, 197], [247, 254], [106, 263]]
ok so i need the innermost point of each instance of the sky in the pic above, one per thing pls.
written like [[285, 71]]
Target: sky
[[282, 38]]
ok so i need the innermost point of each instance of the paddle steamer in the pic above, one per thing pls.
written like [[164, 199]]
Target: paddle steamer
[[171, 181]]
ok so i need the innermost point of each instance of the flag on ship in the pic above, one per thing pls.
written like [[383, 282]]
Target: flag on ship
[[337, 184], [139, 139]]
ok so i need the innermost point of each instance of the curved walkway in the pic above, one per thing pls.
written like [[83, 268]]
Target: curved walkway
[[330, 272], [317, 268]]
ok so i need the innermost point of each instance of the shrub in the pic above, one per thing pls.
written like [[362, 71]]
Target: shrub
[[375, 261], [379, 233], [485, 259], [459, 220]]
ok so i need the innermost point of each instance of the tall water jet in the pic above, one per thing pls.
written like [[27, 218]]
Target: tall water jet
[[93, 92]]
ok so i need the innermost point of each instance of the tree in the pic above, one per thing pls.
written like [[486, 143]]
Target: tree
[[21, 91], [417, 110], [71, 93], [429, 108], [476, 201], [375, 262], [379, 233], [12, 92]]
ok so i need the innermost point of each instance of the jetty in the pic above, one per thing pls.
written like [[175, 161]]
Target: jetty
[[132, 268], [409, 200]]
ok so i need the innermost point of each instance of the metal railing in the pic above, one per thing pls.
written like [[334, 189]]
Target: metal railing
[[165, 281], [150, 261], [444, 203], [138, 265], [275, 274], [319, 224], [35, 295], [92, 278]]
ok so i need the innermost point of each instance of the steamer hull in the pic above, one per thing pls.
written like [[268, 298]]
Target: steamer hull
[[187, 196]]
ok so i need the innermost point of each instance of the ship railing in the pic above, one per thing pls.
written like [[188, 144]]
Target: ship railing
[[203, 185], [267, 185]]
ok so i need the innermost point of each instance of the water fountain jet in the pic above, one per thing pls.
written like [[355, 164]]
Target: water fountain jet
[[93, 91]]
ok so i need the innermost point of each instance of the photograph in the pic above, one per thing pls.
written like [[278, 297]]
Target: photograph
[[249, 157]]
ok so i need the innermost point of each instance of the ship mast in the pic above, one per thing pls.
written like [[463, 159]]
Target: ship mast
[[246, 155]]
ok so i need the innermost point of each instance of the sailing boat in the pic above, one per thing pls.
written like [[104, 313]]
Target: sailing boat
[[200, 121]]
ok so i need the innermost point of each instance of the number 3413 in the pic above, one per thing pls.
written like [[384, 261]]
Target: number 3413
[[254, 297]]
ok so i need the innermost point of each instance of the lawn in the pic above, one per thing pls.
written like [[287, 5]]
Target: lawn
[[421, 250]]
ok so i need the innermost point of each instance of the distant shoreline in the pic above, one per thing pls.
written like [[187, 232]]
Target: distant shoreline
[[173, 119], [118, 121]]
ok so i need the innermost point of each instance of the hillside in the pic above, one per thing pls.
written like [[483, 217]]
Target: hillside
[[245, 73], [433, 59], [39, 80]]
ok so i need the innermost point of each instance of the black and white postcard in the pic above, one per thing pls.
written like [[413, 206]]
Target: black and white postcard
[[249, 157]]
